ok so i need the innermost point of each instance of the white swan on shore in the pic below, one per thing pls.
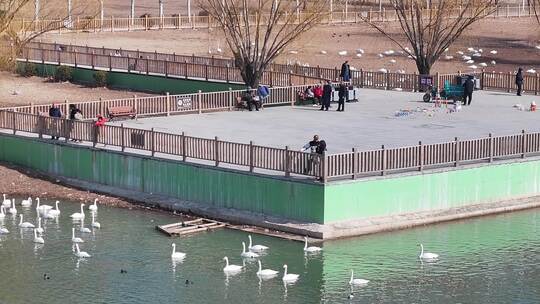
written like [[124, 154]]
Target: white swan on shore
[[94, 206], [56, 211], [38, 239], [79, 253], [289, 277], [248, 254], [310, 249], [75, 239], [78, 215], [25, 224], [427, 255], [177, 255], [255, 248], [266, 272], [231, 267], [354, 281], [27, 202]]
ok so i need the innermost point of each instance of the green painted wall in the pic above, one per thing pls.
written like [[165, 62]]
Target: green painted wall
[[430, 191], [143, 83], [216, 187]]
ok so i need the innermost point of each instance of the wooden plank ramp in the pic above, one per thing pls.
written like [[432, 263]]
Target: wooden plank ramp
[[189, 227]]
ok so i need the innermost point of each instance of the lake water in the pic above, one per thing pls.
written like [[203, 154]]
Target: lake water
[[485, 260]]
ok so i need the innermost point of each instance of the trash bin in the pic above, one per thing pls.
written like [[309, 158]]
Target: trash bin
[[426, 82]]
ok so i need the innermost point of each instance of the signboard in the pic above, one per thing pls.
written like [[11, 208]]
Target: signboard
[[183, 103]]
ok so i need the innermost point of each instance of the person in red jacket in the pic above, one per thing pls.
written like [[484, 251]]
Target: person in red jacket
[[100, 122], [318, 92]]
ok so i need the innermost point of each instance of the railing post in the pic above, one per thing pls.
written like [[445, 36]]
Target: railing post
[[482, 79], [206, 72], [438, 79], [216, 150], [292, 97], [456, 152], [227, 74], [490, 147], [509, 82], [420, 156], [287, 162], [361, 78], [135, 105], [354, 163], [94, 135], [383, 160], [146, 61], [536, 84], [112, 24], [32, 108], [231, 101], [166, 64], [387, 80], [123, 137], [199, 101], [110, 62], [168, 103], [324, 163], [92, 60], [75, 57], [13, 121], [40, 126], [153, 142], [523, 143], [251, 155], [184, 146]]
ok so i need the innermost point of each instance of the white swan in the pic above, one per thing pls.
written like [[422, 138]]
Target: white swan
[[310, 248], [231, 267], [2, 213], [177, 255], [427, 255], [289, 277], [75, 239], [25, 224], [248, 254], [3, 230], [27, 202], [255, 248], [79, 253], [354, 281], [77, 215], [266, 272], [39, 229], [42, 208], [84, 229], [13, 209], [94, 223], [94, 206], [6, 202], [38, 239], [54, 212]]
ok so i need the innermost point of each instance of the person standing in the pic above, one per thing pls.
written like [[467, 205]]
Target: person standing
[[342, 92], [317, 148], [519, 81], [468, 88], [55, 112], [345, 71], [74, 114], [263, 93], [327, 96]]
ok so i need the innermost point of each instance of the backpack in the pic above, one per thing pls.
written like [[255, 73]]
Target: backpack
[[321, 147]]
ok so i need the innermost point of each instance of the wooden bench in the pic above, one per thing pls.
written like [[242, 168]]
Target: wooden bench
[[121, 111]]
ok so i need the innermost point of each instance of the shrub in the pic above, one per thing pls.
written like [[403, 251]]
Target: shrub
[[63, 73], [100, 78], [27, 69]]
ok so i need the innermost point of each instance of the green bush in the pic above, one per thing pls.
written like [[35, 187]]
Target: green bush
[[27, 69], [100, 78], [63, 74]]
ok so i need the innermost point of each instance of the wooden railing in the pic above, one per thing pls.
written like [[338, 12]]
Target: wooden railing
[[185, 147], [343, 16]]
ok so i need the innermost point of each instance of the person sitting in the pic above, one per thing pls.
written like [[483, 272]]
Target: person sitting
[[317, 93], [250, 101]]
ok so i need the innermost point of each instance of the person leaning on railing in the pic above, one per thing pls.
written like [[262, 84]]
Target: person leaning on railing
[[317, 148], [74, 114], [55, 112], [100, 122]]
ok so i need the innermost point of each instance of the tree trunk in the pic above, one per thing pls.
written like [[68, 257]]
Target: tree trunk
[[423, 66]]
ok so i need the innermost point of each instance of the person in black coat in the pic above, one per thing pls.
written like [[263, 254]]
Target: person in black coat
[[468, 88], [519, 81], [345, 71], [54, 111], [342, 93], [327, 95]]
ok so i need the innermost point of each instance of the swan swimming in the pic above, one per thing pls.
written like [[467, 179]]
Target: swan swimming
[[6, 202], [39, 229], [42, 208], [79, 253], [26, 202], [94, 206], [266, 272], [310, 248], [354, 281], [78, 216], [3, 230], [94, 223], [84, 229], [248, 254], [177, 255], [75, 239], [255, 248], [2, 213], [427, 255], [289, 277], [13, 209], [231, 267], [38, 239], [25, 224], [54, 212]]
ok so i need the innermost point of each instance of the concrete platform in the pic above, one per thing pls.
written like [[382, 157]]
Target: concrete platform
[[367, 124]]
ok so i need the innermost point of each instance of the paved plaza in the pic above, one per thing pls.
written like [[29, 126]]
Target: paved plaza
[[366, 124]]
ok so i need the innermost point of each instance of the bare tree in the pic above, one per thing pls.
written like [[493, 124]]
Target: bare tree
[[256, 34], [535, 4], [429, 32]]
